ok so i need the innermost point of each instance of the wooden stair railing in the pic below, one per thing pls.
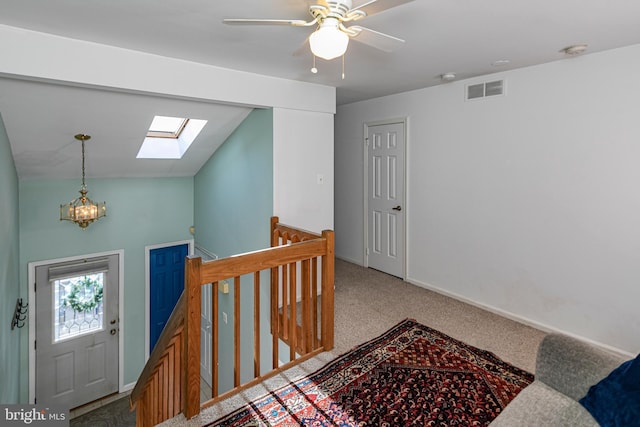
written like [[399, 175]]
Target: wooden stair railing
[[159, 392], [303, 337], [301, 267]]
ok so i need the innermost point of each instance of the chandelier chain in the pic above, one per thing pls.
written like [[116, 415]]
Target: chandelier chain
[[83, 185]]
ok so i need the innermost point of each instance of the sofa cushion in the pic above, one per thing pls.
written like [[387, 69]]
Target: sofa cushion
[[615, 401], [539, 405], [572, 366]]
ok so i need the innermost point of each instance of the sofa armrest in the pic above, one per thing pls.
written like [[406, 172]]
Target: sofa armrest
[[572, 366]]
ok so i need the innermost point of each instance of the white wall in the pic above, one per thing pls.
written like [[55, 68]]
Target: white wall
[[303, 150], [527, 203]]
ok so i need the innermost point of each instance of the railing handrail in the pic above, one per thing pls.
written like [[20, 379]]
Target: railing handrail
[[263, 259]]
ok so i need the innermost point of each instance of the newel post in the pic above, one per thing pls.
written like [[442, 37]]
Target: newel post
[[191, 359], [328, 271]]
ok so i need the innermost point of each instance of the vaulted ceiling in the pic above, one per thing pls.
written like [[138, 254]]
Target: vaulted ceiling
[[465, 37]]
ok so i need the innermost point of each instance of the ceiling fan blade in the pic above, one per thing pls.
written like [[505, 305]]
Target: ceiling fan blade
[[242, 21], [375, 39], [374, 6]]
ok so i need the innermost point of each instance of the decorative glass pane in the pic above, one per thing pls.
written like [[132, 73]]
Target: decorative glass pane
[[77, 306]]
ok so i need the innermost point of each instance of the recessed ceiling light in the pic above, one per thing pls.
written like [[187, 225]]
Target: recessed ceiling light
[[575, 49], [500, 62], [447, 77]]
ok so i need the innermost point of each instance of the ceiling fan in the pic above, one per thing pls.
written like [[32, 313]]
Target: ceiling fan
[[331, 38]]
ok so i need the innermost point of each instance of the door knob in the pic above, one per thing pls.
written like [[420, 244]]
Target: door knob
[[397, 208], [113, 332]]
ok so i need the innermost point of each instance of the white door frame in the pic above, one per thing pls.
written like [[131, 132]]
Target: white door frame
[[147, 286], [33, 313], [365, 152]]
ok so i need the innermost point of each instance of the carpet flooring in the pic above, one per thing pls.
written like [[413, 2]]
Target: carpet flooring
[[368, 303], [410, 375]]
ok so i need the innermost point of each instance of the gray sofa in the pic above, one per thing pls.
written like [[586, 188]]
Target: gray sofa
[[565, 369]]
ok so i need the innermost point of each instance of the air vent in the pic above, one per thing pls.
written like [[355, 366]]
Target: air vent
[[482, 90]]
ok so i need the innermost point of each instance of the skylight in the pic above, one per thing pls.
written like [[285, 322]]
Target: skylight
[[169, 137], [166, 127]]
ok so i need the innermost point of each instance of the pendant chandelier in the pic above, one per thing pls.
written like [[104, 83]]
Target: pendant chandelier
[[82, 210]]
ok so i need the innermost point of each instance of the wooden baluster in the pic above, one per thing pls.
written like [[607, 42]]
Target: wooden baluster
[[296, 337], [306, 312], [256, 324], [236, 331], [314, 301], [214, 340], [177, 396], [154, 398], [293, 316], [285, 304], [170, 379], [140, 411], [160, 380], [275, 318], [286, 295], [165, 388]]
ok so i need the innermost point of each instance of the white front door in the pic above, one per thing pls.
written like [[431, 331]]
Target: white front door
[[77, 331], [386, 209]]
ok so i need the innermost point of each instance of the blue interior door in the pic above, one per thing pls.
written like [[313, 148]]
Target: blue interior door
[[166, 284]]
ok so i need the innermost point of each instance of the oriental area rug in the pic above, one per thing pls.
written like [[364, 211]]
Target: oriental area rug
[[411, 375]]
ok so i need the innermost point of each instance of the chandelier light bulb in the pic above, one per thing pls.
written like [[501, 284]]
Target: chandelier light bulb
[[328, 42]]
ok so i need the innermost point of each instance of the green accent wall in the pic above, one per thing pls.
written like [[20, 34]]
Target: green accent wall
[[9, 273], [233, 203], [140, 212]]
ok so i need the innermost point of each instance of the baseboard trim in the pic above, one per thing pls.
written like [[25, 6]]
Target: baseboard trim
[[352, 261], [517, 318], [127, 387]]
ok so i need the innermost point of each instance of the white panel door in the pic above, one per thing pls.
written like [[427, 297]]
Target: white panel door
[[77, 331], [386, 216], [206, 335], [206, 324]]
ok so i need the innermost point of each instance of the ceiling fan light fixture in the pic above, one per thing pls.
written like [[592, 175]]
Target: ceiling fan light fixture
[[328, 42]]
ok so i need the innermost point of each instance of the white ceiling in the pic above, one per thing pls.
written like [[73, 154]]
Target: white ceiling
[[461, 36]]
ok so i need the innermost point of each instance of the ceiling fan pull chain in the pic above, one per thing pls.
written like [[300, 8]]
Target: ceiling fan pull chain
[[314, 70], [343, 67]]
